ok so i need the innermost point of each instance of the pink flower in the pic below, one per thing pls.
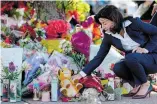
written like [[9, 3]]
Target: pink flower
[[88, 22]]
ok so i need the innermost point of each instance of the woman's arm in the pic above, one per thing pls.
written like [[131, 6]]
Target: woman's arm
[[97, 60], [150, 30]]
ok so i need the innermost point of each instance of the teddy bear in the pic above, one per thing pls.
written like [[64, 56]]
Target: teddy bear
[[69, 87]]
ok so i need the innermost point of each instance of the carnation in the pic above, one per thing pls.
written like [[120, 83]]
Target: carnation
[[56, 28]]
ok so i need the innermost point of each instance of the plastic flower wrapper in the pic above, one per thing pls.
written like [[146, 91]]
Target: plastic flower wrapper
[[110, 91], [34, 71], [43, 79], [118, 93], [63, 60], [92, 82], [52, 45], [49, 70], [66, 46], [81, 43], [24, 41], [27, 53], [79, 59], [29, 44]]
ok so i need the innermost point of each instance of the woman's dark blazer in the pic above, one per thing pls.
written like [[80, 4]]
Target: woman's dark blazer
[[143, 33]]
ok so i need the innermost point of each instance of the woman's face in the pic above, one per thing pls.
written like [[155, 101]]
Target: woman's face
[[106, 24]]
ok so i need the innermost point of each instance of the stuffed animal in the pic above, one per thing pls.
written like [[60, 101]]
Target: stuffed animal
[[69, 87]]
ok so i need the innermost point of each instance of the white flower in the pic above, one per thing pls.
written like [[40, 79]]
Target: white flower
[[21, 11], [60, 46], [62, 41], [64, 46]]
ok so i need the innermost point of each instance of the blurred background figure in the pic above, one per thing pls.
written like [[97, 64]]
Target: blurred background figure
[[127, 7], [144, 9], [154, 9]]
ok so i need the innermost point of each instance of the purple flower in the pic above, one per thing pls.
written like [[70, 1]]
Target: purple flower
[[11, 67], [64, 61]]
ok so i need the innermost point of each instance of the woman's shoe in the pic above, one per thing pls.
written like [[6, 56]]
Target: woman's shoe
[[130, 94], [143, 96]]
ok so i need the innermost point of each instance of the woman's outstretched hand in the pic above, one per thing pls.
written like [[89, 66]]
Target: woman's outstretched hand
[[77, 76], [140, 50]]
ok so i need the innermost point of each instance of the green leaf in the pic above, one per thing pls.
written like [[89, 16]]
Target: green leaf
[[6, 70]]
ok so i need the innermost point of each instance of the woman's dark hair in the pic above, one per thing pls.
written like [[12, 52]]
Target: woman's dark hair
[[112, 13]]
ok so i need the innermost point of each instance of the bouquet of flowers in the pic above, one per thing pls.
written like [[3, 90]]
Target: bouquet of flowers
[[12, 8], [78, 57], [66, 46], [74, 8]]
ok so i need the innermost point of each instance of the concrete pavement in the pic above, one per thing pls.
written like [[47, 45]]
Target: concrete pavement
[[125, 100]]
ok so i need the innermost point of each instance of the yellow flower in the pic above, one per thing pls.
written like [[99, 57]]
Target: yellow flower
[[4, 45], [40, 25], [67, 37], [31, 21]]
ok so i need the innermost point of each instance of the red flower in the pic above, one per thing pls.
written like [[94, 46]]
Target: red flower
[[32, 12], [109, 75], [112, 66], [74, 13], [56, 28], [88, 22], [6, 6], [28, 28], [7, 40], [21, 4]]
